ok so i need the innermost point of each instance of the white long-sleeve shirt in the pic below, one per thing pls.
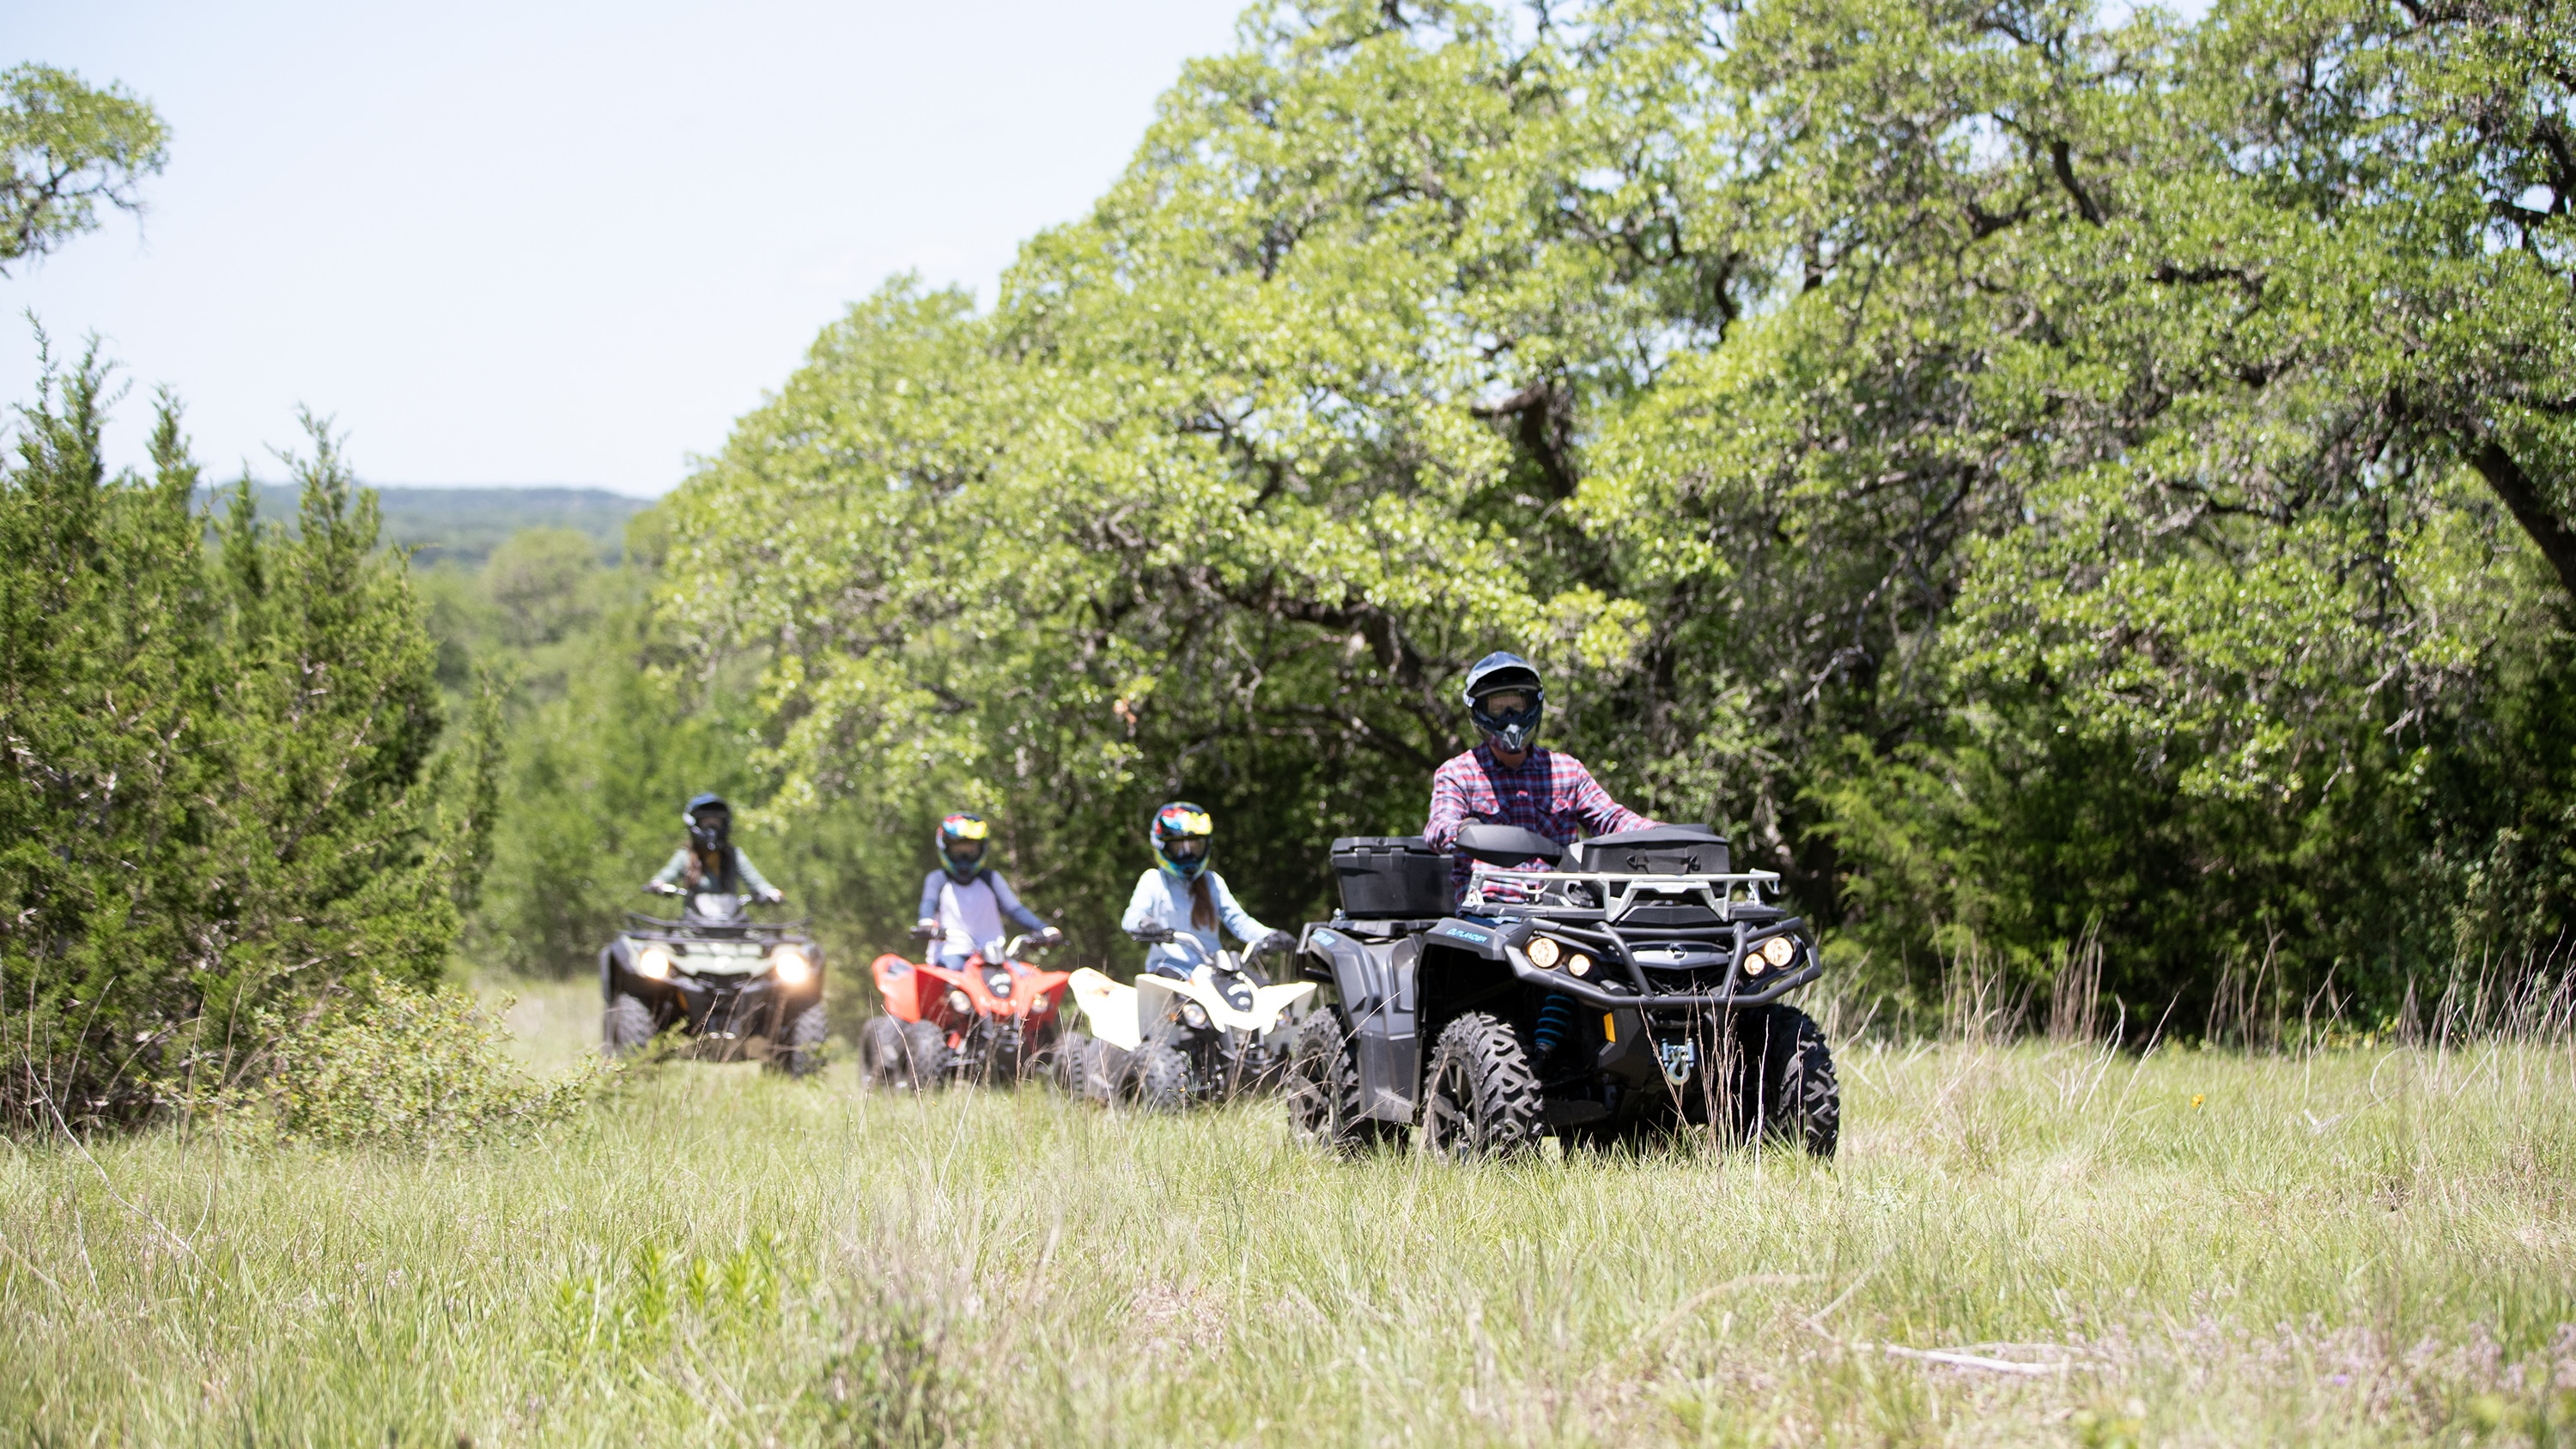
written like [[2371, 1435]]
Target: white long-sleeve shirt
[[1163, 899]]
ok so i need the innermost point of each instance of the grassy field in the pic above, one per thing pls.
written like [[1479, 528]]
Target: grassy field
[[2370, 1246]]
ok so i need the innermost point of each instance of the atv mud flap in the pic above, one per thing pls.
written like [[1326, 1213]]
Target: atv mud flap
[[1375, 982]]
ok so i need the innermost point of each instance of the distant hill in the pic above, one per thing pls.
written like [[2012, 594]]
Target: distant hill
[[465, 524]]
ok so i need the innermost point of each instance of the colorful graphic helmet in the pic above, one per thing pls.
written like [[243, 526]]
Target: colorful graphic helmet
[[1516, 725], [1182, 834], [710, 821], [961, 846]]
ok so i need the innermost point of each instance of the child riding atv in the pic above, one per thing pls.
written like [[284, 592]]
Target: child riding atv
[[1201, 1023], [976, 1008]]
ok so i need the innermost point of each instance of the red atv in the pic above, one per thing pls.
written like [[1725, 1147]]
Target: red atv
[[982, 1021]]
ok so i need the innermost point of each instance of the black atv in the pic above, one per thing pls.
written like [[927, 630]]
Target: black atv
[[736, 986], [1651, 972]]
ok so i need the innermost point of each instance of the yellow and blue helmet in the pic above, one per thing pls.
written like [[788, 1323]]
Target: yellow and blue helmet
[[963, 840], [1182, 836]]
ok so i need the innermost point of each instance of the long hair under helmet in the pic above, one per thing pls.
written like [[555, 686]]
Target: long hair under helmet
[[714, 833], [962, 843], [1182, 836], [1494, 674]]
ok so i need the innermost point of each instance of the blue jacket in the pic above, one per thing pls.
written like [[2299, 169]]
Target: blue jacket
[[1163, 899]]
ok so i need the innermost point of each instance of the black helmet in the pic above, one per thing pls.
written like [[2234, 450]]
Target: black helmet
[[712, 831], [1499, 673], [962, 843]]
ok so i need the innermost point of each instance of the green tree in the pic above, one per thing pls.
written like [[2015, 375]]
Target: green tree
[[2023, 474], [66, 146], [220, 797]]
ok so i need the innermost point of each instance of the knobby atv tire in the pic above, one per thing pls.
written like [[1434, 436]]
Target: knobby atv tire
[[925, 1054], [1159, 1076], [881, 1053], [1322, 1085], [799, 1049], [1480, 1098], [1087, 1069], [627, 1025], [1785, 1087]]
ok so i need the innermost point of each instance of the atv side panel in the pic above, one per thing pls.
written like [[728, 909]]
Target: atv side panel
[[1375, 983]]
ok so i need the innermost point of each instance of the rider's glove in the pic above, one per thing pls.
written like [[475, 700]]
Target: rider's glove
[[775, 896], [660, 888], [1277, 943], [1152, 935], [925, 929], [1048, 936]]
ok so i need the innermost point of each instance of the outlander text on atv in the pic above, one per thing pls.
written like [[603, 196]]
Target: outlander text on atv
[[732, 984], [1169, 1040], [1652, 972], [991, 1021]]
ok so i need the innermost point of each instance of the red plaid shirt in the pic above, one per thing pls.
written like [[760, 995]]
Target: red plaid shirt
[[1549, 792]]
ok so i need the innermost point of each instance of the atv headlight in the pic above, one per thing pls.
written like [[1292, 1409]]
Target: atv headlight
[[791, 965], [1579, 964], [1194, 1016], [653, 964], [1544, 953], [1779, 950], [959, 1001]]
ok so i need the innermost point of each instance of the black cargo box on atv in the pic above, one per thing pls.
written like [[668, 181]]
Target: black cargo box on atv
[[1655, 850], [1391, 877]]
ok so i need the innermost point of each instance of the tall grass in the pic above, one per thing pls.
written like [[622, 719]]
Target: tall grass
[[2042, 1243]]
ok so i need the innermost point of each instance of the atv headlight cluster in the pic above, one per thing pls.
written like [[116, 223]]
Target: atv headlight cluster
[[1546, 951], [959, 1001], [1773, 954], [1194, 1016], [999, 983], [794, 968], [653, 964]]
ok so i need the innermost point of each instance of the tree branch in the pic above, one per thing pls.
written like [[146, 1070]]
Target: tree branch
[[2522, 496]]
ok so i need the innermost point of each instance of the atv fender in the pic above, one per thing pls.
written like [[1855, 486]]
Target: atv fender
[[1374, 981], [902, 984], [1110, 1008]]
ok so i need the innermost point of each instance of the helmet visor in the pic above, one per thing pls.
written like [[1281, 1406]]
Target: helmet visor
[[1187, 848], [965, 852], [1505, 703]]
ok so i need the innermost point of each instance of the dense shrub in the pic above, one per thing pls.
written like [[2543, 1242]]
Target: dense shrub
[[222, 798], [402, 1068]]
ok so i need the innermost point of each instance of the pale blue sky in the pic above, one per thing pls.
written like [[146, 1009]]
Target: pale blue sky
[[560, 242]]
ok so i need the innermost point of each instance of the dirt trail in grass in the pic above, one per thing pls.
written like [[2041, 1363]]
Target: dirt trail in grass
[[2026, 1245]]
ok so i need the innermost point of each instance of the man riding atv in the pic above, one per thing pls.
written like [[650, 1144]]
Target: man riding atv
[[1543, 961], [964, 902], [1511, 779], [711, 862]]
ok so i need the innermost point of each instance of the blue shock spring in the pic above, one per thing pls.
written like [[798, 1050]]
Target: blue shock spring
[[1555, 1023]]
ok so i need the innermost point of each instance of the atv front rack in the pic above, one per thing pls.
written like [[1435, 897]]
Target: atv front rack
[[1603, 911], [687, 930]]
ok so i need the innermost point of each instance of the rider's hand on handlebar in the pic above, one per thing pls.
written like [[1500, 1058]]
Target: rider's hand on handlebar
[[660, 888], [776, 897], [926, 929], [1277, 943], [1152, 935], [1049, 936]]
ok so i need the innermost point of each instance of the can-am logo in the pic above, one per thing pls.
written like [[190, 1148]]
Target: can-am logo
[[1679, 1057]]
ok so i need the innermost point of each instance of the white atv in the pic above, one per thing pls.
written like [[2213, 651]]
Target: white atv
[[1167, 1041]]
